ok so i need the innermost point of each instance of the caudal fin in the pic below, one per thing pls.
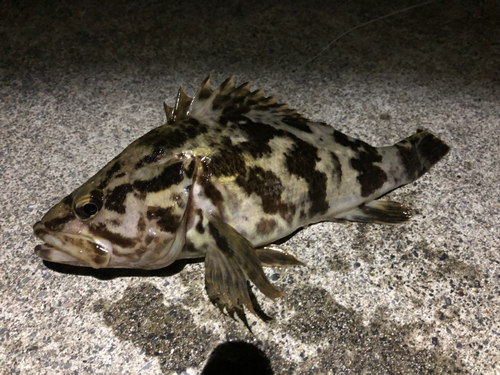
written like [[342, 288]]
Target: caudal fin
[[420, 152]]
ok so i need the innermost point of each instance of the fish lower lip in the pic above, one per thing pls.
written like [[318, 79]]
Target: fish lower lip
[[52, 254]]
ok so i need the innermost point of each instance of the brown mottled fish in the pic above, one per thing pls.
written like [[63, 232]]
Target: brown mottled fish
[[229, 173]]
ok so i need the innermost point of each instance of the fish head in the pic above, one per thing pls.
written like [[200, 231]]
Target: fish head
[[127, 216], [67, 236]]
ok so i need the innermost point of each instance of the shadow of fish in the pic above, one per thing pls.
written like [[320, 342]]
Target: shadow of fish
[[229, 173]]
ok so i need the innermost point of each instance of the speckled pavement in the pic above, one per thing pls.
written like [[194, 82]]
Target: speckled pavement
[[80, 82]]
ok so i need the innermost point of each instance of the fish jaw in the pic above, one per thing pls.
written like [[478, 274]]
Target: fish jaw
[[73, 249]]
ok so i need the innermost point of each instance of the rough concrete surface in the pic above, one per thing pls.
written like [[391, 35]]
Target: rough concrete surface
[[81, 80]]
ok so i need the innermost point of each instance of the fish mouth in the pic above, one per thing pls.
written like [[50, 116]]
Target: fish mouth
[[73, 249]]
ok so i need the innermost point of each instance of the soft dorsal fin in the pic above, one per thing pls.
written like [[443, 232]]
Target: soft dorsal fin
[[226, 99]]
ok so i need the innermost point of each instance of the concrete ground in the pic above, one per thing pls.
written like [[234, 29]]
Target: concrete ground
[[80, 82]]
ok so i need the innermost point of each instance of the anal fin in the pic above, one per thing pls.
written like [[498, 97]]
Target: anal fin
[[276, 256], [380, 212]]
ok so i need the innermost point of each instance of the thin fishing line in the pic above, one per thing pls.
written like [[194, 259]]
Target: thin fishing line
[[365, 24]]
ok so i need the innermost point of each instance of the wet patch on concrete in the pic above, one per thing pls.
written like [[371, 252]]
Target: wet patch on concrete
[[426, 263], [165, 332], [338, 263], [344, 343]]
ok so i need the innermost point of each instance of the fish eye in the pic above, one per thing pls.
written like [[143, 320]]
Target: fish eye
[[88, 205]]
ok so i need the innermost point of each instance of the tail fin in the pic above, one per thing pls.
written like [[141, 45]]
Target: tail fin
[[420, 152]]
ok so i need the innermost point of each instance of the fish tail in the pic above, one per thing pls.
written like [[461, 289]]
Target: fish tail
[[420, 152]]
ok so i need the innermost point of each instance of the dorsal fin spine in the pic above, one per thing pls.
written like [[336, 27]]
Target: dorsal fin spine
[[182, 104], [169, 112], [203, 99], [226, 86], [226, 99]]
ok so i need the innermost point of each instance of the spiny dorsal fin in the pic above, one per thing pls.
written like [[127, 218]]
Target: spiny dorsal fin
[[181, 105], [226, 99], [203, 99], [169, 111]]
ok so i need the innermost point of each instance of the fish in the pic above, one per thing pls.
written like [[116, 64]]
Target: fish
[[230, 173]]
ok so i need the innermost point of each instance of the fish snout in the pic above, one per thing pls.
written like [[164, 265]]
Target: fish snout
[[73, 249]]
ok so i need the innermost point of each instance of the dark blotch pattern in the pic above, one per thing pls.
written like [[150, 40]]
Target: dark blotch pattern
[[57, 223], [223, 120], [40, 232], [420, 152], [220, 241], [165, 219], [115, 200], [149, 238], [346, 141], [267, 186], [431, 150], [190, 169], [266, 226], [297, 122], [211, 192], [171, 175], [258, 135], [237, 107], [205, 93], [267, 107], [337, 168], [301, 161], [141, 224], [154, 157], [189, 247], [93, 251], [111, 171], [199, 226], [100, 230], [68, 200], [228, 161], [371, 177], [192, 131], [220, 101], [164, 139], [409, 160]]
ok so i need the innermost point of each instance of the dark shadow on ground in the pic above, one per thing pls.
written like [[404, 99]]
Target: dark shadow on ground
[[113, 273]]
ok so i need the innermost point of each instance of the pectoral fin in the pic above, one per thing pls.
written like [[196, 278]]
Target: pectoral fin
[[228, 263], [226, 283], [381, 212]]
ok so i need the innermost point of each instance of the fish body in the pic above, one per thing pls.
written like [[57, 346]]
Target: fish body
[[229, 173]]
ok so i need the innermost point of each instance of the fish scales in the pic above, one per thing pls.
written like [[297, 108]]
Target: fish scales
[[229, 173]]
